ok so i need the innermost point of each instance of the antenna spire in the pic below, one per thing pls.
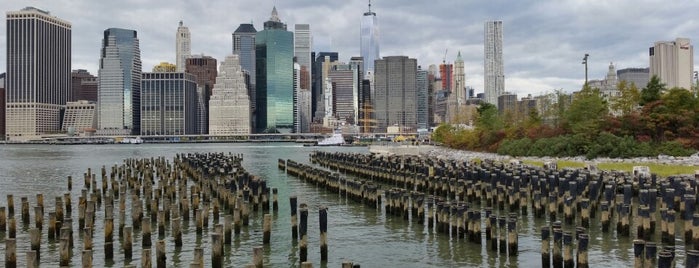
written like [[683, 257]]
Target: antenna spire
[[369, 6]]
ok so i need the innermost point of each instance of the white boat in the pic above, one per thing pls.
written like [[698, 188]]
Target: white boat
[[334, 140]]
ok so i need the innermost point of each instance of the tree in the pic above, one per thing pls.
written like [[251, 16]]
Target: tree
[[587, 112], [653, 90], [488, 118], [627, 100]]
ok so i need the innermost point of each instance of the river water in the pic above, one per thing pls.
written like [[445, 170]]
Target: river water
[[355, 233]]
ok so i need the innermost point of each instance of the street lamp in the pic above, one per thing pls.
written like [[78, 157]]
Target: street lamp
[[585, 63], [696, 85]]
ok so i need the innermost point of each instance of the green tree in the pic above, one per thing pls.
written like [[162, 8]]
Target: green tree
[[488, 118], [587, 112], [653, 91], [627, 100]]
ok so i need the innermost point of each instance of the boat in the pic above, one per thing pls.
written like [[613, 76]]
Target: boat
[[335, 140]]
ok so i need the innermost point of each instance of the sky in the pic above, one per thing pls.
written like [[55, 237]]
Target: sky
[[544, 40]]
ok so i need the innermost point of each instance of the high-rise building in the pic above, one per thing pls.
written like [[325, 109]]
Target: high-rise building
[[274, 52], [636, 76], [204, 68], [84, 86], [507, 102], [2, 106], [494, 70], [395, 94], [673, 62], [119, 87], [229, 107], [369, 40], [422, 99], [183, 43], [303, 43], [38, 72], [344, 79], [456, 99], [80, 117], [321, 64], [168, 103], [244, 47], [446, 73]]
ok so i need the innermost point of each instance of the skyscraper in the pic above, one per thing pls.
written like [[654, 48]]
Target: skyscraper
[[119, 87], [494, 70], [321, 63], [446, 73], [204, 68], [274, 52], [38, 72], [183, 44], [244, 47], [168, 103], [369, 40], [458, 89], [422, 98], [2, 106], [345, 83], [673, 62], [229, 107], [395, 96], [303, 42], [637, 76]]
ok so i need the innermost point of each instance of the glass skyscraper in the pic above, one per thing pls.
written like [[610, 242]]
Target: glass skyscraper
[[119, 88], [169, 103], [274, 52], [369, 40], [38, 72], [494, 70]]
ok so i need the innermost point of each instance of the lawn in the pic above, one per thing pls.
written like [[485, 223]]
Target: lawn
[[662, 170]]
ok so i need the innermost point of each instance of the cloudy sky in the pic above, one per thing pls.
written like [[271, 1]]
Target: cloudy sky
[[544, 41]]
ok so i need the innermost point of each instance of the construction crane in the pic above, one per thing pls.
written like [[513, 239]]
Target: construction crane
[[444, 59]]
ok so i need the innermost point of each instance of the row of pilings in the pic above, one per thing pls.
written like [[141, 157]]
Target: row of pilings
[[153, 200], [464, 194]]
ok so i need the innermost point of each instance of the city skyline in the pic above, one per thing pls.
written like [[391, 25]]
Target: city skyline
[[543, 47]]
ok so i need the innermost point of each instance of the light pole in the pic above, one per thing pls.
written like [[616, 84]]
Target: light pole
[[585, 63], [696, 85]]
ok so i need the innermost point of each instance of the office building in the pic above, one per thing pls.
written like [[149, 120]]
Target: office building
[[673, 62], [395, 94], [446, 73], [274, 52], [345, 83], [244, 47], [322, 61], [2, 106], [456, 98], [229, 106], [636, 76], [80, 118], [168, 103], [303, 43], [204, 68], [84, 86], [422, 99], [507, 102], [37, 83], [369, 40], [607, 86], [183, 46], [494, 70], [119, 87]]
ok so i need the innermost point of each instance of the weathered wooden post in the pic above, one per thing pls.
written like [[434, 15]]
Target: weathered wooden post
[[10, 206], [3, 220], [146, 259], [568, 249], [651, 251], [87, 259], [25, 210], [35, 240], [323, 224], [161, 259], [545, 247], [267, 229], [128, 241], [294, 226], [227, 229], [108, 238], [303, 228], [557, 245], [257, 256], [177, 231], [10, 253], [216, 252], [583, 240], [275, 204], [12, 229], [638, 246], [512, 243], [146, 240], [32, 259]]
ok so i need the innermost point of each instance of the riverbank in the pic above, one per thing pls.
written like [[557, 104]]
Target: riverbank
[[662, 165]]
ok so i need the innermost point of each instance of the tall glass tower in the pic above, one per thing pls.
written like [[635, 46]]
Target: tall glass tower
[[274, 52], [38, 72], [369, 40], [494, 70], [119, 88]]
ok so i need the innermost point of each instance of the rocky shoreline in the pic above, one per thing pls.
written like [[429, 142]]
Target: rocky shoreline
[[448, 153]]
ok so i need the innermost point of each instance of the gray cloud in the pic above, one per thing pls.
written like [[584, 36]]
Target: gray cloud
[[544, 41]]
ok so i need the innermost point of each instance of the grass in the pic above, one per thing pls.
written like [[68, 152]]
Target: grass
[[661, 170]]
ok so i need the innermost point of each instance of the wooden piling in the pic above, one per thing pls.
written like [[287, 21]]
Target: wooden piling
[[638, 246], [512, 243], [227, 229], [146, 241], [257, 256], [582, 261], [557, 246], [177, 231], [10, 253], [32, 261], [35, 241], [3, 220], [10, 206], [216, 250], [146, 259], [294, 224], [650, 252], [275, 203], [545, 247], [25, 210], [128, 242], [323, 224], [64, 251], [303, 228], [267, 229], [12, 228], [160, 257], [87, 259], [568, 249]]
